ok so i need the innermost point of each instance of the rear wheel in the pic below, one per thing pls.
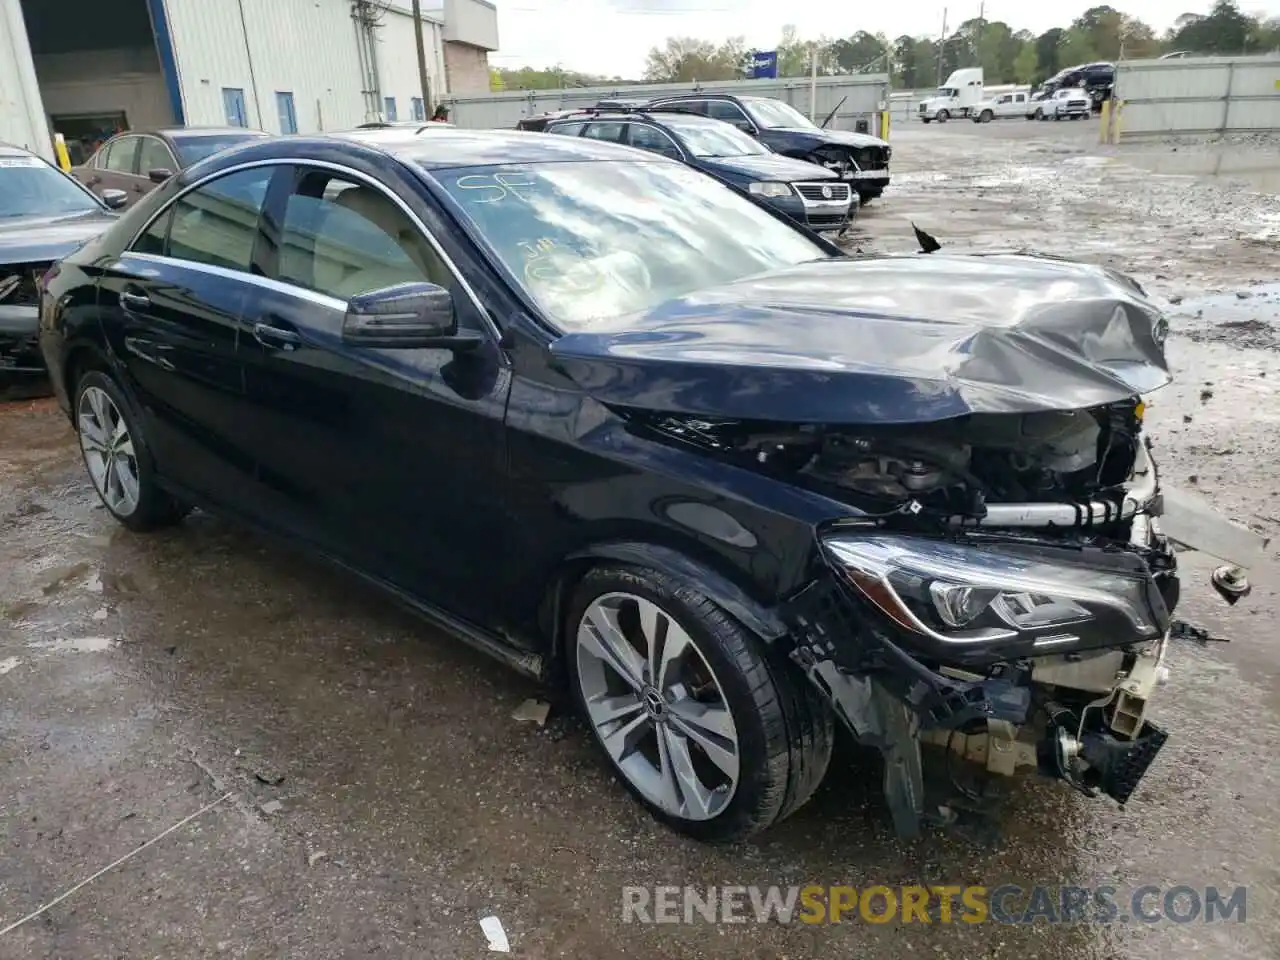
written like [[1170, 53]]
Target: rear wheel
[[117, 458], [703, 724]]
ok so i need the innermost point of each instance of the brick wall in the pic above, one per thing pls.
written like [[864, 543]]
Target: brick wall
[[466, 68]]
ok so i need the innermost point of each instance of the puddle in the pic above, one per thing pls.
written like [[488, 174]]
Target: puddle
[[1249, 318], [76, 644]]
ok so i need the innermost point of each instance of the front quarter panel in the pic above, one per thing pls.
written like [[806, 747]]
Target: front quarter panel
[[582, 481]]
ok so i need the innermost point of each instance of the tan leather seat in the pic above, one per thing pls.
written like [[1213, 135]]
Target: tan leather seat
[[337, 274]]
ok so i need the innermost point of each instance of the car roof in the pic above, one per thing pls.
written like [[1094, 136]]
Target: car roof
[[185, 133], [9, 150], [455, 147]]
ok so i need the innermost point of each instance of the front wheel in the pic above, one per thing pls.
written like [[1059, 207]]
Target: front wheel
[[943, 116], [986, 116], [710, 730], [117, 458]]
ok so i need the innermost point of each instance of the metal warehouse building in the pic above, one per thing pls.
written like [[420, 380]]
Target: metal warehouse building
[[87, 68]]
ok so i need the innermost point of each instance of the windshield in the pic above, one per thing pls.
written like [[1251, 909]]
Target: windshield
[[775, 113], [948, 92], [596, 240], [715, 139], [194, 149], [29, 187]]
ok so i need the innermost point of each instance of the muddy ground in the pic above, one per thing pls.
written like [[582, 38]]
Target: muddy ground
[[382, 799]]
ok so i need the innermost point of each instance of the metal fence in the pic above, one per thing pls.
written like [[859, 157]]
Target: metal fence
[[1198, 95], [864, 96]]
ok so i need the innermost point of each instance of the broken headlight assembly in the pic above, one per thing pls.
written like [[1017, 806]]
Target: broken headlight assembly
[[964, 603]]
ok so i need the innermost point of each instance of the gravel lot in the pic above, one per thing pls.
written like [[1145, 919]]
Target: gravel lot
[[382, 799]]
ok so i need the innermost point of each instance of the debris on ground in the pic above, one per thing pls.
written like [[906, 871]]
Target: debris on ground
[[316, 857], [533, 709], [496, 936], [1181, 630], [272, 806]]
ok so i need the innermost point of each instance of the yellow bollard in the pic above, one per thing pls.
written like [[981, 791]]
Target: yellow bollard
[[884, 124], [1104, 133], [60, 151]]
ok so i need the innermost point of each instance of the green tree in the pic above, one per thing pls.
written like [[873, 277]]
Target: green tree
[[861, 52], [1224, 31], [1049, 52], [1027, 65], [686, 59]]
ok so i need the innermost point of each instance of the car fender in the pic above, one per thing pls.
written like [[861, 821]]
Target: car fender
[[726, 594]]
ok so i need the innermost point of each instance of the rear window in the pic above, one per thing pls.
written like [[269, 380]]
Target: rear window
[[194, 149]]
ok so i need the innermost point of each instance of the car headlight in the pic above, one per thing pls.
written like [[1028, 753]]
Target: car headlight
[[767, 188], [964, 601], [888, 153]]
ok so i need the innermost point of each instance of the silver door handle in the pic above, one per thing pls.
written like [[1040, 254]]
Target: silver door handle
[[270, 336], [135, 301]]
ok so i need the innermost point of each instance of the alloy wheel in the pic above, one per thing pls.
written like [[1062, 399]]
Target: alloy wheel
[[657, 707], [108, 451]]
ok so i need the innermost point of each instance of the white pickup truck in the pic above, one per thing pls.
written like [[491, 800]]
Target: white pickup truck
[[1003, 107], [1070, 103]]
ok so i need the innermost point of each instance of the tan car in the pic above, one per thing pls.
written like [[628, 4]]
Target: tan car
[[137, 160]]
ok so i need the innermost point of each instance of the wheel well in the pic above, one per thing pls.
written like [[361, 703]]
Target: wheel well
[[80, 360]]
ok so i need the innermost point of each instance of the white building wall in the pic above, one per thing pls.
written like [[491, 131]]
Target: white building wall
[[398, 59], [473, 22], [305, 47], [104, 82], [22, 120]]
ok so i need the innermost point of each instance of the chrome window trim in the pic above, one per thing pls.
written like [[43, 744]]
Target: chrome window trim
[[632, 124], [267, 283], [338, 168]]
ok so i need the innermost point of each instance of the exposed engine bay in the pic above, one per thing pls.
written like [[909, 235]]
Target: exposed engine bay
[[954, 468], [1005, 597]]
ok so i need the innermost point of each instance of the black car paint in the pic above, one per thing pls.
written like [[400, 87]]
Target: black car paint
[[800, 143], [478, 484], [739, 172]]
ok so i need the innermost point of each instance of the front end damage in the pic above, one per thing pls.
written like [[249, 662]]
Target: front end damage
[[1013, 636]]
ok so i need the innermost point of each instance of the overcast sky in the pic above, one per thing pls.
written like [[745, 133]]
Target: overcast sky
[[612, 36]]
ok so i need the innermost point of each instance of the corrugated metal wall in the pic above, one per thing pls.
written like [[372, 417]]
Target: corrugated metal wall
[[866, 95], [1199, 95], [308, 48]]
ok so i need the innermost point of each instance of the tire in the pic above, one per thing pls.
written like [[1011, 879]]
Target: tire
[[927, 119], [117, 458], [781, 732], [943, 116], [986, 116]]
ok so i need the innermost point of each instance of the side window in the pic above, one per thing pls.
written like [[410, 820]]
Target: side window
[[604, 131], [652, 139], [154, 155], [217, 224], [155, 238], [567, 129], [728, 112], [1005, 99], [123, 154], [343, 238], [1020, 98]]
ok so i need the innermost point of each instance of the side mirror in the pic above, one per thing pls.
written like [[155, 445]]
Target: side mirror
[[159, 174], [405, 316], [746, 126], [114, 199]]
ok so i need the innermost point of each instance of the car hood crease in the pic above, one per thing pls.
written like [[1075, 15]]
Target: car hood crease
[[881, 340]]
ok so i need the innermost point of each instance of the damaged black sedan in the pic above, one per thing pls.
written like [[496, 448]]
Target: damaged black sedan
[[628, 431]]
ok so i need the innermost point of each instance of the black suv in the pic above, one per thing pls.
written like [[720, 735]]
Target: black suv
[[1096, 79], [860, 158], [809, 194]]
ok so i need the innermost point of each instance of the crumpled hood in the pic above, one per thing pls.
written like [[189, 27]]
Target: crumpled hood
[[43, 239], [845, 138], [773, 166], [882, 340]]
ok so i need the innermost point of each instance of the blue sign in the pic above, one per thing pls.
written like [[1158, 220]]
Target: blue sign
[[764, 65]]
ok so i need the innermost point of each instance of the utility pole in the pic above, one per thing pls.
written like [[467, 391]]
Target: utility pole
[[977, 42], [813, 83], [424, 78], [942, 44]]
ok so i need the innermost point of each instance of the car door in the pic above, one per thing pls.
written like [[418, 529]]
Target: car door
[[171, 308], [650, 138], [113, 165], [390, 459], [1019, 106]]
